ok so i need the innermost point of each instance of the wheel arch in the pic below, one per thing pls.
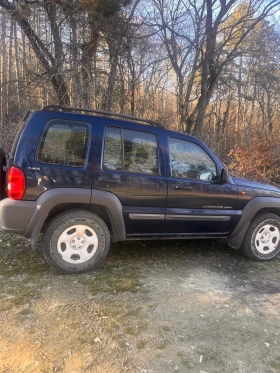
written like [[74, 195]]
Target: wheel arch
[[255, 207], [272, 210], [54, 201], [99, 210]]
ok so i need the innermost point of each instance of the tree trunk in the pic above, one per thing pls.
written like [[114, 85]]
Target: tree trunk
[[4, 72], [45, 57], [269, 112], [17, 70], [108, 99], [77, 89], [181, 105], [207, 60], [10, 73], [89, 50]]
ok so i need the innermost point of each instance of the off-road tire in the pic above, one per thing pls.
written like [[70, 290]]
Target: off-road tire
[[249, 247], [59, 225]]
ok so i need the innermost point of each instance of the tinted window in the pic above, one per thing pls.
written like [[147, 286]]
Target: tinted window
[[112, 158], [190, 161], [130, 151], [64, 143]]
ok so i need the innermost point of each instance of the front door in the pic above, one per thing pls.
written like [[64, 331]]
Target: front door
[[197, 203]]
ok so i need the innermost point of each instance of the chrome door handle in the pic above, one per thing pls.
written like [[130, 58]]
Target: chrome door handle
[[182, 186]]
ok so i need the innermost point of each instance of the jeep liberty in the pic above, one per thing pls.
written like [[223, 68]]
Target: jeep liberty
[[84, 178]]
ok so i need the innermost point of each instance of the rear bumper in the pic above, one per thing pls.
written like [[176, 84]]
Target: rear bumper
[[15, 215]]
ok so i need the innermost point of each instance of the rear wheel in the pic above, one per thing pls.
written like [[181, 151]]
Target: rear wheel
[[262, 240], [76, 241], [2, 174]]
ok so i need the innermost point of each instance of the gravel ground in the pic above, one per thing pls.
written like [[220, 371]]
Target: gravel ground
[[152, 307]]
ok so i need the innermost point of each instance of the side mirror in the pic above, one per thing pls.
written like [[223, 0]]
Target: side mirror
[[224, 176]]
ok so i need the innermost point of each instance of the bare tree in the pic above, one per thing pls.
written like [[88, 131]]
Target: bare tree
[[201, 38]]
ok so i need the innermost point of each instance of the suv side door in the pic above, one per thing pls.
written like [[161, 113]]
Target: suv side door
[[197, 202], [130, 164]]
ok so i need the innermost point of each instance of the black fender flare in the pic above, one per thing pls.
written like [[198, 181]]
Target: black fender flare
[[57, 196], [256, 204]]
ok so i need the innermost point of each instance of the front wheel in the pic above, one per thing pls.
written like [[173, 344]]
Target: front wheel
[[76, 241], [262, 240]]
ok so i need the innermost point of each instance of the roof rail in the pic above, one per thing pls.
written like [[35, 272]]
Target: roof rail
[[101, 112]]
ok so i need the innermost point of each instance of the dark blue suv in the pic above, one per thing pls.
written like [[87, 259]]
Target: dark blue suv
[[84, 180]]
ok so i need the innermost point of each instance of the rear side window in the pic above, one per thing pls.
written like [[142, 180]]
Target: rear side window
[[64, 143], [112, 157], [130, 151]]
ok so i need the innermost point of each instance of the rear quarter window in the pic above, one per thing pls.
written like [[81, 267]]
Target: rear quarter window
[[64, 143]]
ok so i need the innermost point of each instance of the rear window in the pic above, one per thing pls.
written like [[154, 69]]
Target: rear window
[[64, 143], [21, 128], [130, 151]]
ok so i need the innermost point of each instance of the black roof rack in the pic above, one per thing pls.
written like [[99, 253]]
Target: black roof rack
[[101, 112]]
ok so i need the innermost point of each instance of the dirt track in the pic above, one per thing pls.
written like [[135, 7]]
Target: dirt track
[[153, 307]]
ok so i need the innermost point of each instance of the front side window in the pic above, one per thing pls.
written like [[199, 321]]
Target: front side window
[[64, 143], [190, 161], [130, 151]]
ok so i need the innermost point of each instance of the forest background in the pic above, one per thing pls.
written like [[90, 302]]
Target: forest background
[[209, 68]]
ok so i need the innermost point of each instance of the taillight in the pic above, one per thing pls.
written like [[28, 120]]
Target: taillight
[[16, 183]]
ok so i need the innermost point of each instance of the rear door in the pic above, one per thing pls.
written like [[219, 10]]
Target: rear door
[[197, 202], [131, 165]]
